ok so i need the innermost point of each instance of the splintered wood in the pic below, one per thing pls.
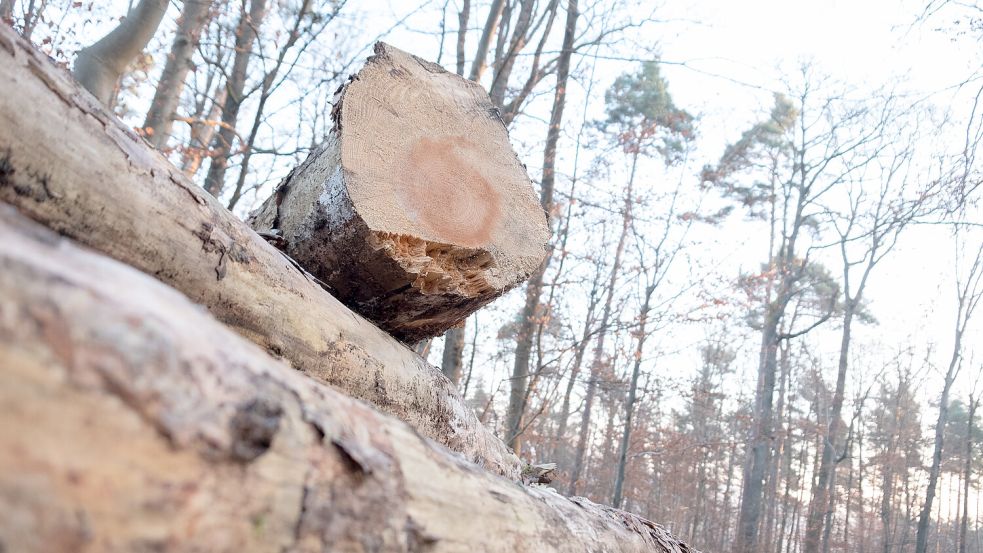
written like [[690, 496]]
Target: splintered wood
[[416, 210]]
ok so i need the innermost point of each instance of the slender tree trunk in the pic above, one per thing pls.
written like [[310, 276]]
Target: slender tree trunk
[[887, 473], [462, 33], [484, 43], [598, 357], [967, 474], [924, 517], [453, 358], [98, 67], [821, 503], [619, 480], [505, 63], [562, 450], [752, 489], [968, 294], [235, 85], [527, 326], [31, 17], [160, 116], [828, 515]]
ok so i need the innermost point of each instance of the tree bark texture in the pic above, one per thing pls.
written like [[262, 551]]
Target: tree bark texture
[[133, 421], [68, 163], [98, 67], [160, 116], [416, 211]]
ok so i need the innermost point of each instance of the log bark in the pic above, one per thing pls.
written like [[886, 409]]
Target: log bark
[[415, 211], [133, 421], [68, 163]]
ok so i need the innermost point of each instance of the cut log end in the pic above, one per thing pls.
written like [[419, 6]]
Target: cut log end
[[416, 210]]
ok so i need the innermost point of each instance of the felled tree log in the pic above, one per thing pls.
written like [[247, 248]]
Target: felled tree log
[[133, 421], [68, 163], [416, 210]]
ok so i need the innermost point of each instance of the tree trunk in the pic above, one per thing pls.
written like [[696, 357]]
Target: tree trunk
[[416, 212], [462, 34], [98, 67], [619, 480], [887, 473], [505, 64], [235, 86], [530, 310], [268, 87], [134, 421], [820, 504], [453, 359], [752, 487], [71, 165], [561, 450], [484, 43], [924, 517], [974, 402], [160, 116]]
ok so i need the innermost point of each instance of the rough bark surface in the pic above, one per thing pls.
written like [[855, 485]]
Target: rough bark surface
[[416, 210], [68, 163], [133, 421]]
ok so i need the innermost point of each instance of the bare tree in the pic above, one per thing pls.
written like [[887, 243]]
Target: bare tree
[[462, 34], [969, 291], [644, 122], [308, 21], [527, 325], [794, 158], [876, 224]]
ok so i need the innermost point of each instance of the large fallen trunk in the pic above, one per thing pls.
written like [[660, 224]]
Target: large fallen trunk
[[68, 163], [133, 421], [416, 210]]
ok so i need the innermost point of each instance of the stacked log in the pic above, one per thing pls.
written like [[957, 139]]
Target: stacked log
[[135, 420], [415, 211], [69, 164]]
